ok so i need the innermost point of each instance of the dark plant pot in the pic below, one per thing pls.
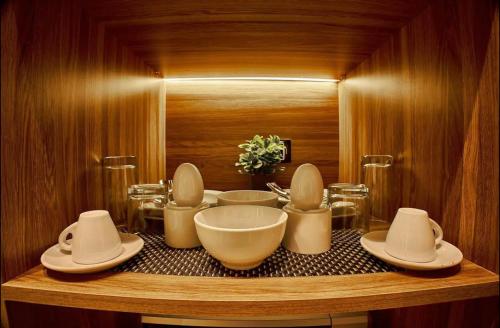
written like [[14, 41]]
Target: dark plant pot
[[258, 181]]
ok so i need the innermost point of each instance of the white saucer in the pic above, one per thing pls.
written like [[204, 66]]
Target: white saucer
[[210, 196], [58, 260], [447, 254]]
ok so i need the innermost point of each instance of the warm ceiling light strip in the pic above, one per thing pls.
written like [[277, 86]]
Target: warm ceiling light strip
[[248, 78]]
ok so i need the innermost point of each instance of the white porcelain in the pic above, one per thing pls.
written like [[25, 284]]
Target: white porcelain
[[306, 189], [247, 197], [241, 236], [308, 232], [210, 196], [188, 186], [447, 255], [95, 238], [413, 236], [282, 201], [180, 231], [56, 259]]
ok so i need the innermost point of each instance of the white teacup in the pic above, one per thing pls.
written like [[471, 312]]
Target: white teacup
[[95, 238], [413, 236]]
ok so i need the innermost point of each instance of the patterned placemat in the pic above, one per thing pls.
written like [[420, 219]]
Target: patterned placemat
[[345, 257]]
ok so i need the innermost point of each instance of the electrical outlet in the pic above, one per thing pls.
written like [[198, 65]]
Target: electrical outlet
[[287, 156]]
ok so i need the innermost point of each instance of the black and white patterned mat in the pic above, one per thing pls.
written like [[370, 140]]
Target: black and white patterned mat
[[345, 257]]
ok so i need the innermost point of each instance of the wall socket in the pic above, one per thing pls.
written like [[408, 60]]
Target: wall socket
[[287, 156]]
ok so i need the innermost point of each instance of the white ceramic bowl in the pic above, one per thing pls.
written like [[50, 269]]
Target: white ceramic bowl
[[241, 236], [247, 197]]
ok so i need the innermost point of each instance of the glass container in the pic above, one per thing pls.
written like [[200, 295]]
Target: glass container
[[120, 172], [350, 205], [145, 207], [377, 176]]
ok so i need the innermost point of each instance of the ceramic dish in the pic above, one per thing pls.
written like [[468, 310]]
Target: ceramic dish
[[247, 197], [56, 259], [210, 196], [447, 254], [240, 236]]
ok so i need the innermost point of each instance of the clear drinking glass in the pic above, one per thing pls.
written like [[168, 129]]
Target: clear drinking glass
[[120, 172], [377, 175], [350, 205], [145, 208]]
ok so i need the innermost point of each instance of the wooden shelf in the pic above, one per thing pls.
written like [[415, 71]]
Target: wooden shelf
[[229, 297]]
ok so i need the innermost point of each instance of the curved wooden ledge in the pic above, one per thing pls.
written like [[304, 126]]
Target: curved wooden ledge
[[229, 297]]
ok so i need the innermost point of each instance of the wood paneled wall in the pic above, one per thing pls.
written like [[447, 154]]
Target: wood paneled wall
[[238, 37], [71, 94], [429, 97], [207, 120]]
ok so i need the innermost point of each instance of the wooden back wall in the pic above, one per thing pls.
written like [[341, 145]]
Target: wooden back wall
[[207, 120]]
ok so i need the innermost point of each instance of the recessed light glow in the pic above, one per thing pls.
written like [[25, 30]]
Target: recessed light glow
[[248, 78]]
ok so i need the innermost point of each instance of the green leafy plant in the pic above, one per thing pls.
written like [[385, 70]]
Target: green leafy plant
[[261, 155]]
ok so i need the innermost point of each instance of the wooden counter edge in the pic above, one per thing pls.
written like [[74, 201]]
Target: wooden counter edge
[[482, 283]]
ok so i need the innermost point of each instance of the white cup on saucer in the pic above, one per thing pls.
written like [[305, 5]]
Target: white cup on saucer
[[413, 236], [95, 238]]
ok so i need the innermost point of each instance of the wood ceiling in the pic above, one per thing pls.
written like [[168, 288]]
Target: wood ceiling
[[186, 38]]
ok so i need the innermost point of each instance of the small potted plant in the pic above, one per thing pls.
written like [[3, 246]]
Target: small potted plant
[[260, 159]]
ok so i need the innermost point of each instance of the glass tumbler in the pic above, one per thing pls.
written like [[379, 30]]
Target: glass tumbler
[[377, 175], [120, 172], [145, 208], [350, 205]]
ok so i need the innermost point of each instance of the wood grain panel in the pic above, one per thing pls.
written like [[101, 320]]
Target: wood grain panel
[[71, 94], [229, 297], [42, 316], [429, 97], [295, 38], [207, 120], [470, 313]]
